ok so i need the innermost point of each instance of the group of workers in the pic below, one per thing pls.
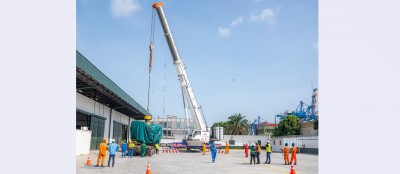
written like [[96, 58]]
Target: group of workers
[[286, 154], [113, 147], [255, 151], [213, 149], [127, 149]]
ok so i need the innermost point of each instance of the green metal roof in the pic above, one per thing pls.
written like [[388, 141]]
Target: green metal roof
[[95, 73]]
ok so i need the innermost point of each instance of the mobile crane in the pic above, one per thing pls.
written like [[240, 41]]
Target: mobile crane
[[195, 137]]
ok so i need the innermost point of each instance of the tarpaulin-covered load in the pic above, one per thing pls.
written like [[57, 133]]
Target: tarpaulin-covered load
[[149, 134]]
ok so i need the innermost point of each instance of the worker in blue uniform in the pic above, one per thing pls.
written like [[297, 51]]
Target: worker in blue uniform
[[113, 147], [124, 146], [213, 152]]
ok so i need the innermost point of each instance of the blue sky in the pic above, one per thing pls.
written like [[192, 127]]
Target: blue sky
[[255, 57]]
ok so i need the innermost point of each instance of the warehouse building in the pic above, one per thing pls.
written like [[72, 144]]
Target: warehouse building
[[103, 110]]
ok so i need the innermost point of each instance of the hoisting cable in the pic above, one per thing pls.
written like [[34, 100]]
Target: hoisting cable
[[151, 47], [165, 82], [202, 113]]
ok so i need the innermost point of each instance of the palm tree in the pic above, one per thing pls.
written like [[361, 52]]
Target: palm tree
[[223, 124], [238, 124]]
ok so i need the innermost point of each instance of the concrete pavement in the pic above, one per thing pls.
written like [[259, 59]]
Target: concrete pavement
[[194, 162]]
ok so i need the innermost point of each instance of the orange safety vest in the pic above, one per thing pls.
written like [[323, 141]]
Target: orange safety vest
[[258, 149], [286, 150], [103, 149], [294, 150]]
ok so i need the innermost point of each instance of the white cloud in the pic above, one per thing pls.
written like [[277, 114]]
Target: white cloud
[[224, 32], [267, 15], [122, 8], [237, 21]]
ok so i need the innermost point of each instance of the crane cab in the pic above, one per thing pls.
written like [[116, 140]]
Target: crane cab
[[196, 138]]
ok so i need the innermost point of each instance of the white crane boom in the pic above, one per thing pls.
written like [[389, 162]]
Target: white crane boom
[[183, 78]]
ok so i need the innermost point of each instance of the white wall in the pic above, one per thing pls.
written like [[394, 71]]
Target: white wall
[[82, 142], [241, 139], [307, 141], [86, 104], [177, 138]]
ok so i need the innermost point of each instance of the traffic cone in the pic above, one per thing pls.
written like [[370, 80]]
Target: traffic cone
[[148, 171], [292, 171], [88, 162]]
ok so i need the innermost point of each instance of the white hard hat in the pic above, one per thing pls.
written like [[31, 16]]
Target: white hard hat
[[252, 144]]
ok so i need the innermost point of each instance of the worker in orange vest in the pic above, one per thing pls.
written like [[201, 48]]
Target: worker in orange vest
[[102, 153], [258, 151], [226, 147], [294, 158], [204, 148], [286, 154]]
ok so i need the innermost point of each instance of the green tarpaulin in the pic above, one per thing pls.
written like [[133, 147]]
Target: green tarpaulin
[[149, 134]]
